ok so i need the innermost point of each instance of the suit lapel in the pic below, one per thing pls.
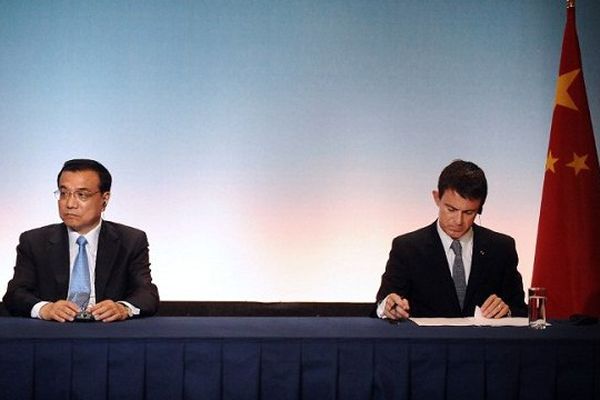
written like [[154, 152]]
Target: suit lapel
[[57, 250], [105, 257], [478, 261], [440, 263]]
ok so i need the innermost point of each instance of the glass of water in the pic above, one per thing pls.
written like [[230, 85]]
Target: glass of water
[[537, 308]]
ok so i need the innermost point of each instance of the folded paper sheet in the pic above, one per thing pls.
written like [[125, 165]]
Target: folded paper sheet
[[477, 320]]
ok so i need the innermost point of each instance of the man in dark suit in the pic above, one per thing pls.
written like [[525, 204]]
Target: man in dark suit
[[114, 258], [448, 268]]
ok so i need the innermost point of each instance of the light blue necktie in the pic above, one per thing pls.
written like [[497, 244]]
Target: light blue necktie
[[458, 272], [79, 288]]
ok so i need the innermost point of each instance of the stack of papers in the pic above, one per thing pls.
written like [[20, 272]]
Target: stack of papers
[[476, 320], [470, 321]]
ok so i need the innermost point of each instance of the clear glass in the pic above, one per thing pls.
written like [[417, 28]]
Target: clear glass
[[537, 308]]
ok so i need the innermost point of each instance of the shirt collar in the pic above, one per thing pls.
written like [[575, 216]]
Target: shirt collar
[[91, 237], [464, 240]]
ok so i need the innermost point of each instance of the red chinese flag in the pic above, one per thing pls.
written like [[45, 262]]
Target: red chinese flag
[[567, 254]]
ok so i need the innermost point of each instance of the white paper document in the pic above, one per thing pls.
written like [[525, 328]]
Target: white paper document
[[476, 320]]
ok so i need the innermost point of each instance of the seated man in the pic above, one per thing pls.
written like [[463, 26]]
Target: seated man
[[449, 267], [84, 267]]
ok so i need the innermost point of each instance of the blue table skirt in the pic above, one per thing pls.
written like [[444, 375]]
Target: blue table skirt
[[294, 358]]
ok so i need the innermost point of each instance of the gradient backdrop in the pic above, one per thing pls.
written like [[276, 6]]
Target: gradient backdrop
[[272, 149]]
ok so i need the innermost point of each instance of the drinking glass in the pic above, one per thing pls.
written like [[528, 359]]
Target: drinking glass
[[537, 308]]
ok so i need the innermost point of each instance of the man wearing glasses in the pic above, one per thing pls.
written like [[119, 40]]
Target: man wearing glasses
[[84, 268]]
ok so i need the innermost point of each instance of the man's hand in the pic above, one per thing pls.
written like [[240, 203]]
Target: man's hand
[[396, 307], [494, 307], [61, 311], [109, 311]]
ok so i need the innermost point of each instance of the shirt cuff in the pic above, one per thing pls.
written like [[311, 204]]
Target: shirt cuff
[[134, 311], [35, 310], [381, 308]]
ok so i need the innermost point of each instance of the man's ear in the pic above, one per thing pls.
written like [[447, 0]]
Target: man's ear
[[436, 197], [105, 198]]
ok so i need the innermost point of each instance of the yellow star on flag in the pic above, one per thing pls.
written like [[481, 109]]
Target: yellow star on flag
[[563, 98], [578, 163], [550, 161]]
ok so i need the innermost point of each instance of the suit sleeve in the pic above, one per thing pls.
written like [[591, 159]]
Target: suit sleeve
[[22, 293], [141, 292], [395, 278], [512, 285]]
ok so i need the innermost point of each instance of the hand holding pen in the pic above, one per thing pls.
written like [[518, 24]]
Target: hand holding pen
[[396, 307]]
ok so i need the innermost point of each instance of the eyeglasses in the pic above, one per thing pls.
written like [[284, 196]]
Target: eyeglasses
[[81, 195]]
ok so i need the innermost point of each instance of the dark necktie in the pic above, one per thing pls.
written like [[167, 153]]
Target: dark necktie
[[79, 288], [458, 272]]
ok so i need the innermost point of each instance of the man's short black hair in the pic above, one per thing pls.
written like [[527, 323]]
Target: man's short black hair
[[88, 165], [466, 178]]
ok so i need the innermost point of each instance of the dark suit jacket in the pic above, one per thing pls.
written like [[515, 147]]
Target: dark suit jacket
[[418, 270], [42, 269]]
